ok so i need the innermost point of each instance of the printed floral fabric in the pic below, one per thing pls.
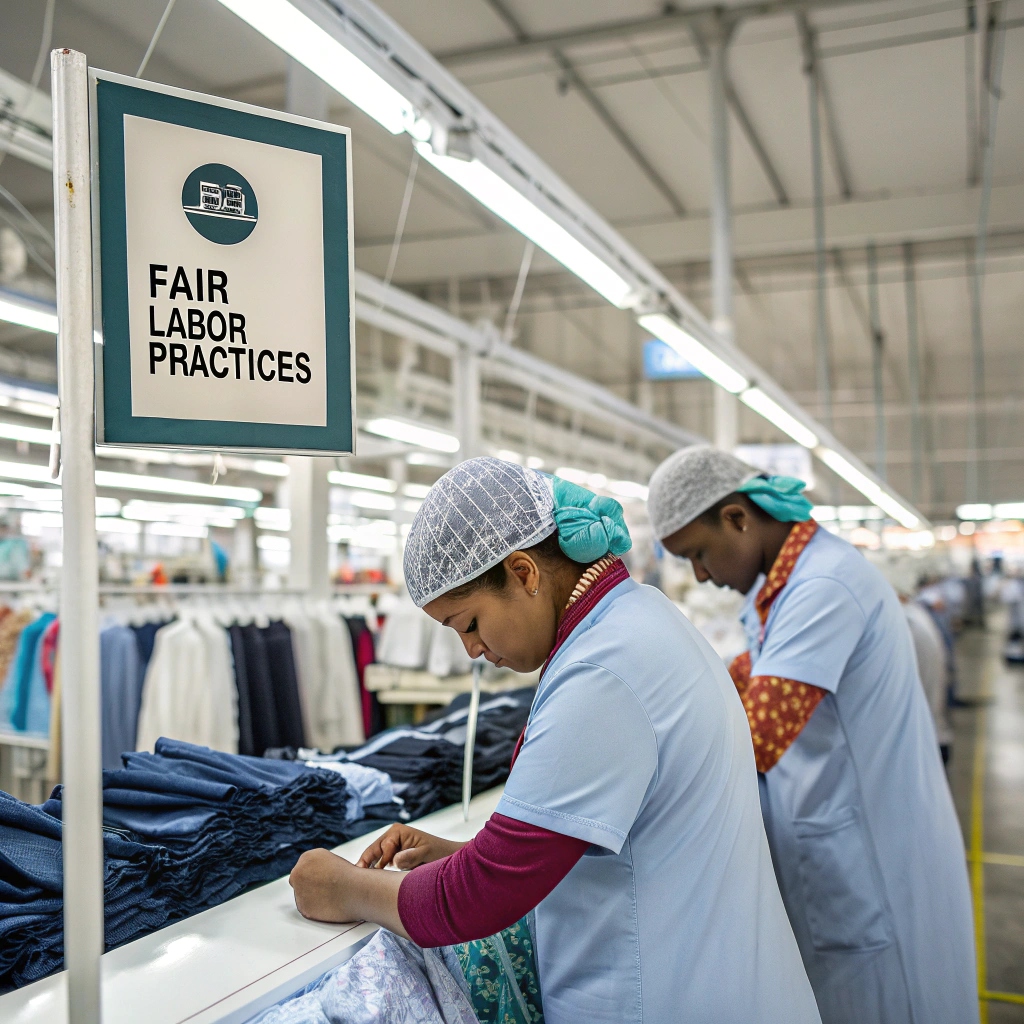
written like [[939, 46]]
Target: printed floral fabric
[[491, 992], [777, 709], [740, 671]]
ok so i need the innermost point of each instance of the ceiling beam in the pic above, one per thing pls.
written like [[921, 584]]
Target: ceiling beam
[[672, 18], [812, 62], [573, 78], [746, 124]]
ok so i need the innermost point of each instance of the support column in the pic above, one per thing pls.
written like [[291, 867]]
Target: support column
[[244, 556], [877, 352], [82, 840], [306, 94], [466, 395], [308, 503], [913, 373], [398, 471], [726, 418], [821, 296]]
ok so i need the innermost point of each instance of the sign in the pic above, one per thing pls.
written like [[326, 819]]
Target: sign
[[224, 273], [663, 362], [779, 460]]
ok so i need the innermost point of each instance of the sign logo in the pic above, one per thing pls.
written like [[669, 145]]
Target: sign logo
[[220, 204]]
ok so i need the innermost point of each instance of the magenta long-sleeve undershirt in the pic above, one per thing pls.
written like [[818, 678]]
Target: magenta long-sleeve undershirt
[[486, 886]]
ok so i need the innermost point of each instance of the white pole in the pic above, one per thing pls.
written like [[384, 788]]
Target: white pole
[[79, 594], [726, 418], [467, 765]]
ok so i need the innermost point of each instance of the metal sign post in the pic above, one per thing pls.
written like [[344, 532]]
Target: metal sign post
[[82, 804]]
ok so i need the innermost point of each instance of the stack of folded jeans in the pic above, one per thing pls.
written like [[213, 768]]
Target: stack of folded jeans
[[185, 828], [425, 761]]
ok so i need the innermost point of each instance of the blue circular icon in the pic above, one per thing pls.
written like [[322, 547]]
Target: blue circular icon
[[220, 204]]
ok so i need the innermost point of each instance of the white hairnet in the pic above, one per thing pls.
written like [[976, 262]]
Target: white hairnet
[[690, 482], [476, 515]]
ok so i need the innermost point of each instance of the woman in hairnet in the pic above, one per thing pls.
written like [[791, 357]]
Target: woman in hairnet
[[630, 819], [865, 840]]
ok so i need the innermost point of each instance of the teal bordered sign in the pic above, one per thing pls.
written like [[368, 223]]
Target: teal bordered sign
[[223, 238]]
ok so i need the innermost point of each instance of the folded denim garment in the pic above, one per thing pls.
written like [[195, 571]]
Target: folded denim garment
[[185, 828]]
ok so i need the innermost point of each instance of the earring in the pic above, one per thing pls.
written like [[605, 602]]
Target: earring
[[535, 591]]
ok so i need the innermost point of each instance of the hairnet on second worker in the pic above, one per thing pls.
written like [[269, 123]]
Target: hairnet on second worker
[[690, 482], [477, 514]]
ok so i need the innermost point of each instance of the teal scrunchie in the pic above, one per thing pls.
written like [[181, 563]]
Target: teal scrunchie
[[589, 526], [780, 497]]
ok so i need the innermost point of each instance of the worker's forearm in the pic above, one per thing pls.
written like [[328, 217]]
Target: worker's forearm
[[373, 897]]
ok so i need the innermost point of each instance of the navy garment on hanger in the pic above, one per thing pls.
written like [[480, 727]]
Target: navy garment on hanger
[[265, 729], [246, 742], [277, 638]]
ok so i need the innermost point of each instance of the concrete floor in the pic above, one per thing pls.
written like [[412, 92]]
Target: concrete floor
[[987, 777]]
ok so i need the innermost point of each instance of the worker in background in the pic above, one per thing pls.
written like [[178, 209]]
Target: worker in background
[[630, 819], [859, 817], [932, 665]]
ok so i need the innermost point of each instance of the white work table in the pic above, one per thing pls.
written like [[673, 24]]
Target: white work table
[[227, 963]]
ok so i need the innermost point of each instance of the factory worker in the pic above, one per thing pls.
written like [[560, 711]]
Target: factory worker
[[630, 819], [866, 844]]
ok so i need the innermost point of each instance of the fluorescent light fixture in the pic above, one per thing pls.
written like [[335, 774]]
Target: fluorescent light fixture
[[178, 530], [872, 491], [268, 517], [268, 542], [305, 41], [34, 435], [1009, 510], [27, 313], [528, 219], [583, 477], [111, 524], [427, 459], [373, 499], [534, 462], [158, 511], [974, 512], [268, 468], [628, 489], [416, 490], [372, 483], [694, 351], [169, 485], [506, 455], [411, 433], [824, 513], [756, 399], [26, 471]]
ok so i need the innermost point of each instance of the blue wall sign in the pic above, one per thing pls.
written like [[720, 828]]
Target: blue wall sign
[[662, 362]]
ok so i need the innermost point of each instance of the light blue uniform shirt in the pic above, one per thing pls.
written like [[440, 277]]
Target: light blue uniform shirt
[[859, 816], [638, 744]]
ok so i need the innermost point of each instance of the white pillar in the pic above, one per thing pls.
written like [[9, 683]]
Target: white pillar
[[307, 501], [244, 560], [397, 471], [466, 394], [726, 418], [306, 94], [79, 591]]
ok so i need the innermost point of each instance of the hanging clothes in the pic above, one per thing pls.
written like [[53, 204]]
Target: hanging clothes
[[365, 654], [24, 701], [120, 692], [343, 725], [189, 691], [266, 731], [278, 642]]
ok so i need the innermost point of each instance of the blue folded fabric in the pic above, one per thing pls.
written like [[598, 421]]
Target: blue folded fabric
[[185, 828]]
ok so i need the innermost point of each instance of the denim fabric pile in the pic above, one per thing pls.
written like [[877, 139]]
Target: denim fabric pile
[[425, 761], [184, 829]]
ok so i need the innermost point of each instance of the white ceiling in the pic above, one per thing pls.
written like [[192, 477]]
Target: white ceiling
[[896, 74]]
